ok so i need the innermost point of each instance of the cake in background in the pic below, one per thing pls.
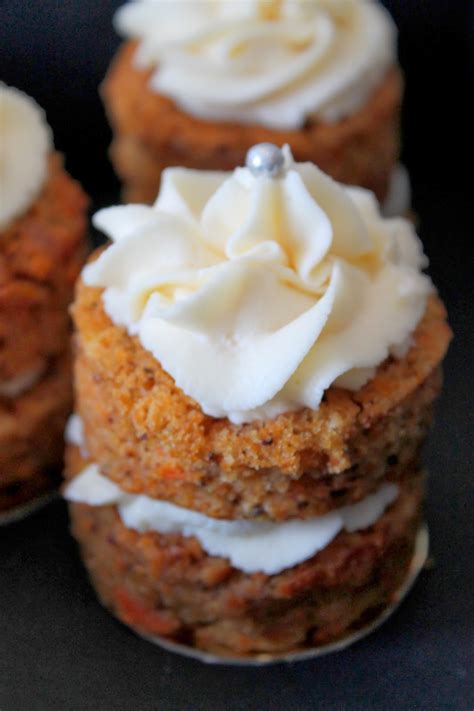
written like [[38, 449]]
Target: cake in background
[[42, 249], [258, 355], [196, 84]]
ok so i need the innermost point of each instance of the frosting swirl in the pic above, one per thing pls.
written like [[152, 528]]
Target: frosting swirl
[[25, 141], [257, 294], [272, 62]]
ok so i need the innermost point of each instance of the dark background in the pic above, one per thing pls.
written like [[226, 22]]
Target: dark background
[[58, 648]]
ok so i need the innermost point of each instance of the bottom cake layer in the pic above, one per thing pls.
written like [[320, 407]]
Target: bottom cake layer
[[31, 438], [166, 585], [360, 631]]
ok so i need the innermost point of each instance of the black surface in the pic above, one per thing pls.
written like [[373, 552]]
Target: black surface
[[58, 648]]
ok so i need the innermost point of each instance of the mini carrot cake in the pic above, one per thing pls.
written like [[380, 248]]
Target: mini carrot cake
[[42, 249], [196, 84], [258, 355]]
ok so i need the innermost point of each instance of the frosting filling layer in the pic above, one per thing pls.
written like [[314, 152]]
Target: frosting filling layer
[[74, 433], [250, 546], [14, 387]]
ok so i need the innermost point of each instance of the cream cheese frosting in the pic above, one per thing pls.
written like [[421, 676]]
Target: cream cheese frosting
[[251, 546], [257, 294], [271, 62], [20, 384], [25, 142], [74, 433], [398, 200]]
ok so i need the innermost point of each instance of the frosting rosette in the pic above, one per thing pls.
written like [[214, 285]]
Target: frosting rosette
[[256, 294], [272, 62], [25, 142]]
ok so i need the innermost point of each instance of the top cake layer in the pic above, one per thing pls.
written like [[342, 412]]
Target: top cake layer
[[258, 292], [270, 62], [259, 344]]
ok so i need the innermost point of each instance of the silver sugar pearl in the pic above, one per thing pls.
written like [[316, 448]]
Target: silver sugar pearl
[[265, 159]]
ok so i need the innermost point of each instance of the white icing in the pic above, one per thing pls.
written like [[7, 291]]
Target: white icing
[[14, 387], [25, 142], [250, 546], [272, 62], [258, 294], [74, 433], [398, 200]]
